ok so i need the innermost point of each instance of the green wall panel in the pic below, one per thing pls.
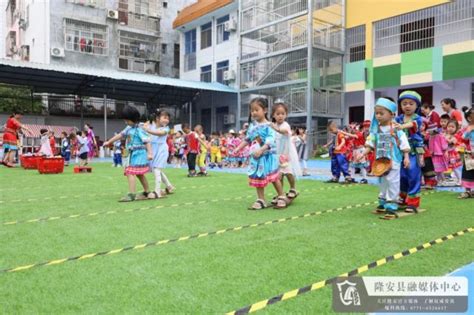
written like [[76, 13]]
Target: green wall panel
[[437, 63], [387, 76], [418, 61], [354, 71], [458, 66]]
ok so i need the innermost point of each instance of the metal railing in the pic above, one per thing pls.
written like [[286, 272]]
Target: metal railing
[[256, 12], [139, 21]]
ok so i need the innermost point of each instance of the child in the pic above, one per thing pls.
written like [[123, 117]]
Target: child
[[117, 153], [285, 149], [338, 159], [454, 140], [138, 145], [192, 146], [223, 147], [45, 149], [203, 149], [438, 146], [302, 149], [358, 159], [159, 130], [410, 123], [179, 146], [468, 138], [429, 174], [263, 168], [392, 144], [216, 157], [82, 147], [52, 142], [65, 148]]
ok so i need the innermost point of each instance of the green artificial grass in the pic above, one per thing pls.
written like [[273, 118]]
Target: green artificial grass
[[210, 274]]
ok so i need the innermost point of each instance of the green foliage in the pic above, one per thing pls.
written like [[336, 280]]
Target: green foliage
[[18, 98]]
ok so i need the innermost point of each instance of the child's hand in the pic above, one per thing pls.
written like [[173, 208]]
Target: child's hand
[[106, 144], [258, 153], [421, 160], [150, 156], [406, 162], [397, 126]]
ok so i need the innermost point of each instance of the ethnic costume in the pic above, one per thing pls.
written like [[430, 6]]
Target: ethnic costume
[[264, 169], [468, 175], [388, 143], [410, 179], [136, 142], [286, 151], [10, 136]]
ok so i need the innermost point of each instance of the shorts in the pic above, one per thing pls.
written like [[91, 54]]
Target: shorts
[[83, 156]]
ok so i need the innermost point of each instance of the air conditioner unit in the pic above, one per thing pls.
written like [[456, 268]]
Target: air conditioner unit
[[91, 3], [229, 119], [229, 75], [230, 26], [57, 52], [112, 14], [22, 24]]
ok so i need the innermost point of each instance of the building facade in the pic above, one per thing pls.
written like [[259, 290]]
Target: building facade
[[427, 46], [209, 52]]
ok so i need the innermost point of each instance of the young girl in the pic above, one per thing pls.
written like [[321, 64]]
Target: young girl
[[302, 149], [91, 142], [454, 141], [203, 149], [438, 146], [65, 148], [358, 159], [285, 149], [45, 149], [263, 168], [389, 143], [410, 123], [159, 131], [139, 148], [216, 157], [468, 138], [82, 147], [429, 174]]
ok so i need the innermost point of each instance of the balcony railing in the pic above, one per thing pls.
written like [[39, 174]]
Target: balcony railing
[[139, 21]]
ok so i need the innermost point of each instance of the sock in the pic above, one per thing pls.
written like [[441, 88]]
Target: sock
[[157, 173], [363, 173], [165, 179]]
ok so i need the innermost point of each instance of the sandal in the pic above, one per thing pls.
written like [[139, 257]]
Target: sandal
[[332, 180], [465, 195], [128, 198], [154, 195], [292, 194], [274, 200], [259, 204], [169, 190], [390, 215], [142, 196], [411, 210], [281, 203]]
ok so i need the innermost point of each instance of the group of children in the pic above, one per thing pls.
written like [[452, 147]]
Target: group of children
[[400, 151]]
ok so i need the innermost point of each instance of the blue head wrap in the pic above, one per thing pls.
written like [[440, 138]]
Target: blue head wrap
[[387, 104]]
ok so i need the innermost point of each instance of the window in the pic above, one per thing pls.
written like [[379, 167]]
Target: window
[[222, 35], [206, 35], [163, 48], [417, 35], [220, 69], [357, 53], [86, 37], [190, 50], [138, 52], [141, 7], [165, 5], [206, 74], [176, 56]]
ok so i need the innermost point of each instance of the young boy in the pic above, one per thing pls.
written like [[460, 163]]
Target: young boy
[[65, 148], [83, 147], [117, 153], [338, 158], [392, 144], [410, 123], [216, 157], [192, 145]]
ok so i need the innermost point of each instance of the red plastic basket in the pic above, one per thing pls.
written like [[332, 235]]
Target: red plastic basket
[[29, 162], [53, 165]]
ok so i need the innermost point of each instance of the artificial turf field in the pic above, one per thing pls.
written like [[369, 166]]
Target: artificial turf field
[[216, 273]]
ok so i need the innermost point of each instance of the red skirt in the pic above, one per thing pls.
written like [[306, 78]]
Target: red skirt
[[136, 170]]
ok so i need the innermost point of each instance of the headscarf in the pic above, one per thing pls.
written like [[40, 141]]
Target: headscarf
[[387, 104]]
